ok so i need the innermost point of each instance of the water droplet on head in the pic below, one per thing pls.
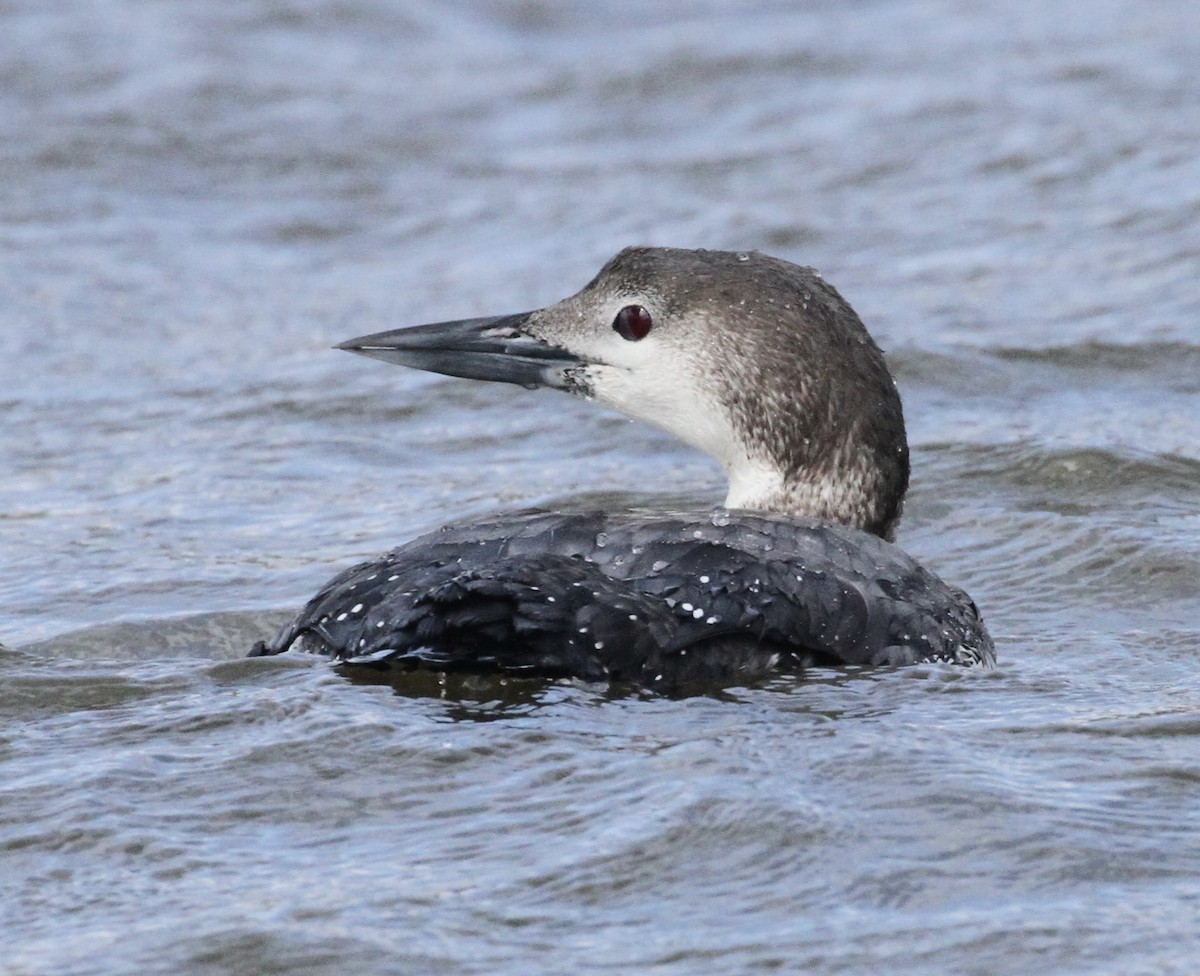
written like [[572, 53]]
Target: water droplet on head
[[743, 256]]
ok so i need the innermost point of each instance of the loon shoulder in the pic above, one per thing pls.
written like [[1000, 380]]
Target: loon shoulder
[[759, 363]]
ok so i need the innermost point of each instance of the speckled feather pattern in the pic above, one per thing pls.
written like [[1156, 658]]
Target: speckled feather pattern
[[649, 598]]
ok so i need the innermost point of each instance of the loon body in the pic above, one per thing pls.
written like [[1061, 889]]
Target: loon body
[[759, 363]]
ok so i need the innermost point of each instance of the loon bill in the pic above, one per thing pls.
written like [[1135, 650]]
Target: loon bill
[[757, 362]]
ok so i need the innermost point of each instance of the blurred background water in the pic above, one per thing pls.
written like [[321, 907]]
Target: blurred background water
[[198, 200]]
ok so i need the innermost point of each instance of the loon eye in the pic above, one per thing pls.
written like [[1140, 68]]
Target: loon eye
[[632, 323]]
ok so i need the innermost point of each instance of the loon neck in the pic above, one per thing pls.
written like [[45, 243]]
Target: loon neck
[[853, 494]]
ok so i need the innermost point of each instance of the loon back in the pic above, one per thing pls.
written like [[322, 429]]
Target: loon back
[[661, 600], [757, 362]]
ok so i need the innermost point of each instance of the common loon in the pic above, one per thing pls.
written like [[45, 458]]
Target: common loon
[[757, 362]]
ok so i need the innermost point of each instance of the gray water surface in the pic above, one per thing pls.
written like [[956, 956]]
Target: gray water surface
[[198, 200]]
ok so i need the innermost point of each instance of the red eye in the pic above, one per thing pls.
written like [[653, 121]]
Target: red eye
[[632, 323]]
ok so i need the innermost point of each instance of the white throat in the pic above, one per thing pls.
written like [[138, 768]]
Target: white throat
[[754, 485]]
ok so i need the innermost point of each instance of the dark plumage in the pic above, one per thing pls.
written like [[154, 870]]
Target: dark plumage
[[663, 601]]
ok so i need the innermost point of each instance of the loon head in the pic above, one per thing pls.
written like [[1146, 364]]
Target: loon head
[[757, 362]]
